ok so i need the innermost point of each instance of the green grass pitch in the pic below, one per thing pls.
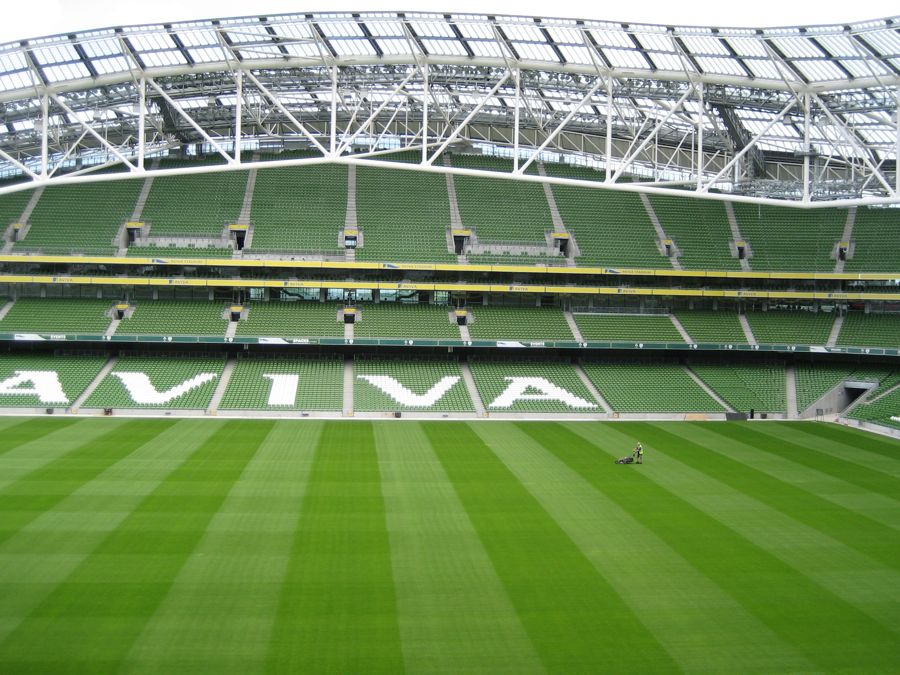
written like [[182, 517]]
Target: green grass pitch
[[250, 546]]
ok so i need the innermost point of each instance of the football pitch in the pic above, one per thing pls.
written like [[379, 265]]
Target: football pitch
[[254, 546]]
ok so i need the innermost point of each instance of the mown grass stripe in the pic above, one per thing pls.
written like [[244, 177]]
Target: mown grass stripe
[[23, 501], [454, 613], [218, 615], [683, 608], [841, 447], [89, 622], [863, 503], [18, 431], [873, 481], [338, 611], [711, 526], [850, 437], [865, 536], [574, 618], [34, 562]]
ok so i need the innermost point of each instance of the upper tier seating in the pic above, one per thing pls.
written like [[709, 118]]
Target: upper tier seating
[[491, 381], [198, 205], [610, 228], [712, 326], [789, 239], [175, 317], [875, 241], [501, 210], [699, 229], [165, 374], [299, 208], [870, 330], [11, 208], [291, 319], [319, 384], [404, 215], [404, 320], [627, 328], [518, 323], [83, 218], [416, 375], [792, 328], [760, 386], [57, 315], [640, 386], [75, 373]]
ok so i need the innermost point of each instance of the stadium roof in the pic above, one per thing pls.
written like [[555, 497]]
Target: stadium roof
[[824, 97]]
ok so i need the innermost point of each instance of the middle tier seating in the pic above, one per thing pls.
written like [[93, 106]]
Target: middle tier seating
[[518, 323], [791, 328], [712, 326], [403, 320], [300, 319], [175, 317], [627, 328], [57, 315], [870, 330]]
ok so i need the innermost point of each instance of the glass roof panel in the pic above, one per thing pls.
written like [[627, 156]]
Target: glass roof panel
[[720, 66], [303, 49], [748, 47], [152, 41], [765, 69], [839, 45], [797, 47], [485, 48], [207, 54], [11, 61], [670, 62], [60, 53], [343, 28], [536, 52], [623, 58], [197, 38], [68, 71], [704, 45], [569, 35], [451, 47], [293, 30], [393, 46], [612, 39], [385, 28], [662, 43], [163, 58], [524, 32], [16, 81], [576, 54], [95, 48], [820, 70], [113, 64], [864, 67], [475, 30], [432, 28]]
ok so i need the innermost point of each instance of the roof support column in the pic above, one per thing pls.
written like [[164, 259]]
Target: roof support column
[[609, 111], [142, 122], [806, 151], [424, 112], [516, 122], [45, 131], [238, 112], [12, 160], [333, 145]]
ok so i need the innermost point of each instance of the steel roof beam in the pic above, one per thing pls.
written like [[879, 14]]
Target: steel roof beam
[[179, 45], [459, 36], [637, 44], [550, 41]]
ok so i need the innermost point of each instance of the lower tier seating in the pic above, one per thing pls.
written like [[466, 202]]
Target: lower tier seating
[[528, 386], [760, 387], [636, 386], [880, 411], [57, 315], [813, 381], [409, 384], [518, 323], [285, 384], [38, 381], [173, 382], [627, 328]]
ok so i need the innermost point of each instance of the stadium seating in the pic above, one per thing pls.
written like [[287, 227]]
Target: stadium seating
[[300, 208], [57, 315], [82, 218], [627, 328], [813, 381], [501, 210], [179, 252], [11, 208], [404, 215], [175, 317], [75, 373], [721, 326], [403, 320], [699, 229], [876, 247], [195, 205], [760, 386], [880, 411], [643, 386], [870, 330], [610, 228], [518, 323], [788, 239], [164, 374], [319, 380], [416, 375], [562, 170], [491, 380], [792, 328], [291, 320]]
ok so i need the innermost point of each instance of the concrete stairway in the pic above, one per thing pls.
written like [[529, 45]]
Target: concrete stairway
[[790, 377], [748, 332], [680, 328], [586, 381], [348, 387], [573, 326], [835, 330], [847, 235], [472, 389], [705, 387], [736, 233], [76, 406], [660, 233], [221, 386]]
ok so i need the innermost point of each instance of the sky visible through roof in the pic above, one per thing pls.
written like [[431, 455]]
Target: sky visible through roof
[[50, 17]]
